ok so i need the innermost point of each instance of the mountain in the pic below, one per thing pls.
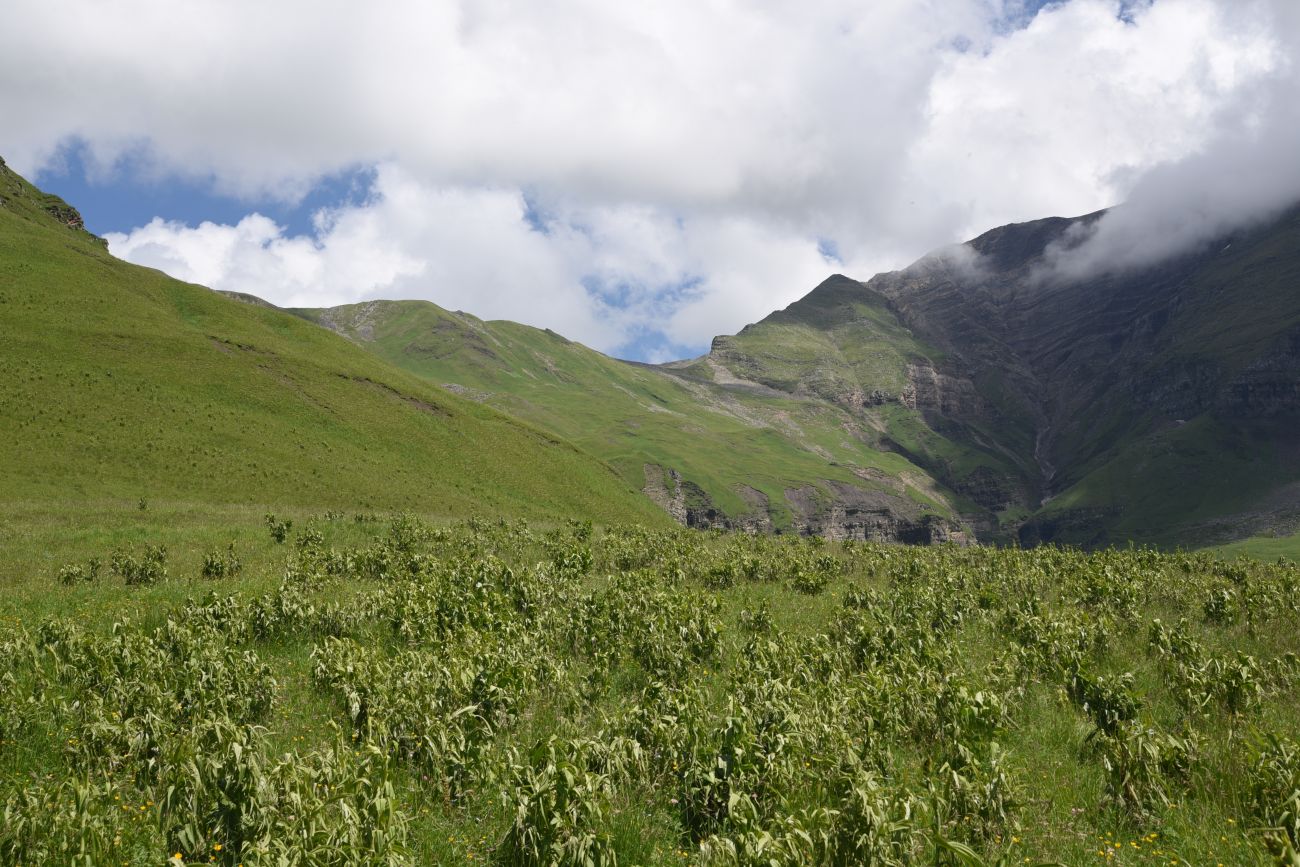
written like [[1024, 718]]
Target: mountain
[[970, 393], [1157, 404], [713, 449], [974, 394], [121, 383], [1163, 402]]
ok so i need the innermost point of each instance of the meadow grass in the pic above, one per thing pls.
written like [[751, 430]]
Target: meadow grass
[[585, 642]]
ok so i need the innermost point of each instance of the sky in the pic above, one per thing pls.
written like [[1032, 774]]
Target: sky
[[641, 177]]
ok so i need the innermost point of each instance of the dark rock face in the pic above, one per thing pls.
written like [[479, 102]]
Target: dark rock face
[[862, 514], [989, 488], [1076, 526], [1268, 387], [701, 513], [1180, 390]]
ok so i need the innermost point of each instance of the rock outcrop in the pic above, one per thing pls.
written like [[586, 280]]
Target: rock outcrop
[[842, 511], [665, 490], [929, 390], [835, 510]]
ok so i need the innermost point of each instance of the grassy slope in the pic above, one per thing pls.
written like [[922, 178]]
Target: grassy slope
[[121, 383], [632, 415], [716, 437], [1264, 548]]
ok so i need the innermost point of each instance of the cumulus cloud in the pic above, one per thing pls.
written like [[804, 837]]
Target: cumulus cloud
[[1245, 173], [1065, 116], [632, 175], [605, 275], [685, 103]]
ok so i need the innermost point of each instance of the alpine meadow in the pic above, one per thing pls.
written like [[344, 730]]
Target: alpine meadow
[[710, 531]]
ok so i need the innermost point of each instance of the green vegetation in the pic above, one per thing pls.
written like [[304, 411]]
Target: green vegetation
[[1265, 548], [380, 690], [741, 445], [123, 385], [1182, 477]]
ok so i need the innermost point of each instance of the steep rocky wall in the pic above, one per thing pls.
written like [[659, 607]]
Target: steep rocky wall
[[930, 390], [844, 511], [1268, 387], [837, 511]]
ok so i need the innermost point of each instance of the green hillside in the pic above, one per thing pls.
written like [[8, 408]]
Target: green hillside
[[121, 384], [1156, 405], [964, 396], [744, 454]]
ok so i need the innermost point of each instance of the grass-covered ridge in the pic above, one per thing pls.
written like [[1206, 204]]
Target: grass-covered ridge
[[754, 454], [122, 384], [379, 690]]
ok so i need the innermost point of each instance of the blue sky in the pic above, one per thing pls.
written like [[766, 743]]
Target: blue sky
[[131, 193], [638, 183]]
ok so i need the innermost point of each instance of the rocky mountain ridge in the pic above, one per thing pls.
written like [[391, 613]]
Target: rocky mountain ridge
[[1067, 384]]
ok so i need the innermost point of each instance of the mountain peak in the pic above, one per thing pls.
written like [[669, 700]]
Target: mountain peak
[[832, 301], [1015, 244]]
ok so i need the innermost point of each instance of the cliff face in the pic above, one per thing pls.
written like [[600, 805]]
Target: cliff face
[[1268, 387], [835, 510], [848, 512], [930, 390]]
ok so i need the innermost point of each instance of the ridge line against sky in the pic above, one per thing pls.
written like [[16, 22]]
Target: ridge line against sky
[[640, 179]]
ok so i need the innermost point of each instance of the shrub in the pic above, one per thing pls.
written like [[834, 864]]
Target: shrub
[[279, 529], [560, 811], [1275, 793], [149, 568], [221, 564], [74, 574]]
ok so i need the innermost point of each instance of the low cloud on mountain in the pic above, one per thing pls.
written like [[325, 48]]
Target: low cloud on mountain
[[1245, 173]]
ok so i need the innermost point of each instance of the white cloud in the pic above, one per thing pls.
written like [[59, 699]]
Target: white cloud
[[1244, 172], [706, 142], [598, 275], [1062, 117]]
